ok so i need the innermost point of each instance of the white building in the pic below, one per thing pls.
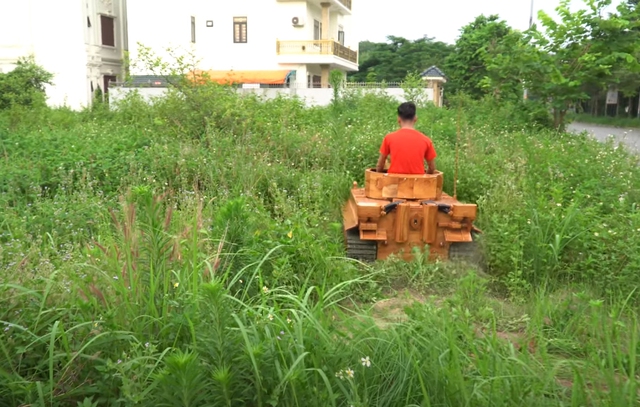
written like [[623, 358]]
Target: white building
[[302, 39], [82, 42]]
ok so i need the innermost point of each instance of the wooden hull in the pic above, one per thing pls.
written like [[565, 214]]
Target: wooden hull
[[398, 225]]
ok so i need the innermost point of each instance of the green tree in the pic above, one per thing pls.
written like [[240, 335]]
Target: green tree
[[24, 85], [567, 59], [466, 66], [391, 61], [504, 77], [620, 34], [580, 49]]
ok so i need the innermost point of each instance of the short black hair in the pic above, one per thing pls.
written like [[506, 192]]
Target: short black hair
[[407, 111]]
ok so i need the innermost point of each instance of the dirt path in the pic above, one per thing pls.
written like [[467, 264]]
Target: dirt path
[[625, 135]]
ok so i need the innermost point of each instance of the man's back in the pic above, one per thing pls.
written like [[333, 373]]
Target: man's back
[[408, 149]]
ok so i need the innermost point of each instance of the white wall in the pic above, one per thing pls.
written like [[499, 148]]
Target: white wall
[[15, 32], [57, 34], [51, 32], [311, 97], [351, 38], [159, 24]]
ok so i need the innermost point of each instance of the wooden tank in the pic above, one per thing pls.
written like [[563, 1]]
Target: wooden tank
[[394, 213]]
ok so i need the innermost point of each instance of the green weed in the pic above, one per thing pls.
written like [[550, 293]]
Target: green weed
[[189, 252]]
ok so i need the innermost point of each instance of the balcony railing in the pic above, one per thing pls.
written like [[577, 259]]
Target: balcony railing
[[346, 3], [316, 47]]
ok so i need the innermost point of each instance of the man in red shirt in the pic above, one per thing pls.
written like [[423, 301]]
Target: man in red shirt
[[407, 146]]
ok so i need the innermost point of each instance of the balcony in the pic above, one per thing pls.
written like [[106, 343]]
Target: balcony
[[317, 52]]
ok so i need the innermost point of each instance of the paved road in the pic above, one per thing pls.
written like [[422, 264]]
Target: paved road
[[628, 136]]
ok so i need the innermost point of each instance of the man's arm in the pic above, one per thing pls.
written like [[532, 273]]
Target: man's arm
[[432, 166], [384, 153], [381, 162], [430, 155]]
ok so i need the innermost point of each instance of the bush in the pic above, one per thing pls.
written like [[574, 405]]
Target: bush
[[190, 252], [24, 85]]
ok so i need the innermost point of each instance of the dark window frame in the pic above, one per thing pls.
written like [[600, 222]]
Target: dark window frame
[[107, 30], [238, 24]]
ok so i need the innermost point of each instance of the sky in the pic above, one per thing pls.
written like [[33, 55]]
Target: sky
[[441, 19]]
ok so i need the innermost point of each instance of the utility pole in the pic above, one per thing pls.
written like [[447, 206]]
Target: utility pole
[[531, 15], [526, 91]]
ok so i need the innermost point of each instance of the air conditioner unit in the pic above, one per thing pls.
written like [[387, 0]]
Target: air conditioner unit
[[297, 21]]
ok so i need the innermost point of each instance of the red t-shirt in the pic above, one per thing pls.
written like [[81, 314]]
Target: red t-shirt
[[408, 148]]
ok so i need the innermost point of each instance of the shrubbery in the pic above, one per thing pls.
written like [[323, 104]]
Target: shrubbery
[[190, 252], [24, 85]]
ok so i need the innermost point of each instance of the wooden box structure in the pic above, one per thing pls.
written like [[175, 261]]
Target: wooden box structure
[[394, 213], [381, 185]]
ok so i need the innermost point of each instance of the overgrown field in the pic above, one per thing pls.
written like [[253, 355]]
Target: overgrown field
[[190, 253]]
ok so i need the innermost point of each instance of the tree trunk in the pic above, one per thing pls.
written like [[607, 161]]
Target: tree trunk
[[558, 118]]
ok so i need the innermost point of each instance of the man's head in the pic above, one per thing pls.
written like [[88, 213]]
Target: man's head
[[407, 113]]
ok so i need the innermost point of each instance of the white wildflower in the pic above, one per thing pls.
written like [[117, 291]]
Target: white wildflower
[[366, 361], [349, 373]]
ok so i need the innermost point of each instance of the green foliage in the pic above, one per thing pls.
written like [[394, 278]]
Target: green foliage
[[572, 52], [190, 252], [414, 88], [24, 85], [479, 41], [336, 80], [580, 56], [393, 60], [560, 64]]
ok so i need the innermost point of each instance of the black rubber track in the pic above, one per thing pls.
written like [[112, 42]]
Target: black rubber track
[[367, 250], [363, 250]]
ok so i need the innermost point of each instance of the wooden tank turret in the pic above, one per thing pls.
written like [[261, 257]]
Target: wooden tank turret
[[394, 213]]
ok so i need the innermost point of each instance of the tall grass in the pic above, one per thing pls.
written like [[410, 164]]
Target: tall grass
[[189, 253]]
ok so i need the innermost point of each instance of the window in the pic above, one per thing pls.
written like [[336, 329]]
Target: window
[[341, 37], [108, 31], [193, 29], [317, 30], [240, 29]]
